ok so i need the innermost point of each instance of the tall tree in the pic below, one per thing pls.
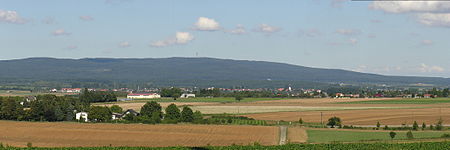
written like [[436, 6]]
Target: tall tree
[[99, 114], [151, 107], [172, 113], [187, 115]]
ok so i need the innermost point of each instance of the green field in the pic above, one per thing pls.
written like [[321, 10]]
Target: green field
[[326, 136], [337, 146], [402, 101], [197, 99]]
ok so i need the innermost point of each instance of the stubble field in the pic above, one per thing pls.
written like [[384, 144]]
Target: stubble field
[[95, 135]]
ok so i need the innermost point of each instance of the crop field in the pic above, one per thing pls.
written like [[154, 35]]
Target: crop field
[[215, 109], [328, 135], [297, 134], [96, 135], [364, 117], [403, 101]]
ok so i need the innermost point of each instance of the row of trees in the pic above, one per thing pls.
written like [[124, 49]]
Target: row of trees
[[150, 113], [44, 108], [97, 96]]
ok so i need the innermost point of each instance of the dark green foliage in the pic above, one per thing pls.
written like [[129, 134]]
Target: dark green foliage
[[409, 135], [171, 92], [439, 125], [334, 121], [10, 109], [97, 96], [424, 126], [386, 127], [116, 109], [415, 126], [300, 121], [198, 117], [238, 98], [150, 108], [378, 124], [187, 115], [99, 114], [172, 114], [445, 135], [392, 134]]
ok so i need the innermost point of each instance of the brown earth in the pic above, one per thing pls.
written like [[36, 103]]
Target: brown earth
[[364, 117], [297, 134], [93, 135]]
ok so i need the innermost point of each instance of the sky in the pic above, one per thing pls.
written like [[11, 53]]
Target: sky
[[389, 37]]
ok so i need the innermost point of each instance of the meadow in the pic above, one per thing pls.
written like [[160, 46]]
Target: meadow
[[327, 136]]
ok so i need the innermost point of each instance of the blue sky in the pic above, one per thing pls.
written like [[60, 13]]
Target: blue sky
[[392, 38]]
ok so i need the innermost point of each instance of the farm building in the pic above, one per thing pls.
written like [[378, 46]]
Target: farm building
[[116, 116], [187, 95], [143, 95], [130, 111], [82, 116], [71, 90]]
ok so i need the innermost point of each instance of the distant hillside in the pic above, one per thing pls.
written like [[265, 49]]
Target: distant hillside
[[172, 69]]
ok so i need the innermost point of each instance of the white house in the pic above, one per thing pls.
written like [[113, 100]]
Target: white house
[[187, 95], [143, 95], [83, 116]]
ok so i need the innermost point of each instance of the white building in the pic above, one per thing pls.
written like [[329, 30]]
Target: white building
[[187, 95], [143, 95], [82, 116]]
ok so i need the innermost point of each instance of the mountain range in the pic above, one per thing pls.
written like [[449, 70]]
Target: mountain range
[[190, 69]]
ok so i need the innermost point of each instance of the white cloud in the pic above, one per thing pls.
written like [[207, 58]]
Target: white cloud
[[124, 44], [13, 17], [265, 28], [240, 29], [426, 42], [425, 68], [206, 24], [87, 18], [434, 19], [348, 31], [60, 32], [180, 38], [410, 6]]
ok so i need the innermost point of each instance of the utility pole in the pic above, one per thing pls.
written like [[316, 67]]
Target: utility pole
[[321, 121]]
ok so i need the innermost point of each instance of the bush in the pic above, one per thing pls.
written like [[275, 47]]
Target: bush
[[415, 126], [392, 134], [409, 135], [446, 135], [334, 121]]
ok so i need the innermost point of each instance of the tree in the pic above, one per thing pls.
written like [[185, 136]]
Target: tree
[[171, 92], [334, 121], [238, 97], [409, 135], [431, 127], [439, 124], [392, 134], [99, 114], [378, 125], [300, 121], [386, 127], [424, 126], [116, 109], [151, 107], [415, 126], [172, 114], [187, 115], [156, 117], [198, 117]]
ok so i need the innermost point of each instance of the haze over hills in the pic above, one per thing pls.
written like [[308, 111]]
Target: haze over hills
[[173, 69]]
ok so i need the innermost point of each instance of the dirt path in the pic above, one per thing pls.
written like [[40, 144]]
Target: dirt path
[[283, 135]]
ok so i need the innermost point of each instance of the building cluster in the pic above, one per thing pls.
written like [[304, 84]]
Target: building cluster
[[83, 116]]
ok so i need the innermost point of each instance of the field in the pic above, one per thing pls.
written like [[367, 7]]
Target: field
[[403, 101], [329, 135], [388, 111], [94, 135]]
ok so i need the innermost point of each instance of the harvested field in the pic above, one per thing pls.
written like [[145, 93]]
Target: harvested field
[[94, 135], [297, 134], [263, 109], [364, 117]]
